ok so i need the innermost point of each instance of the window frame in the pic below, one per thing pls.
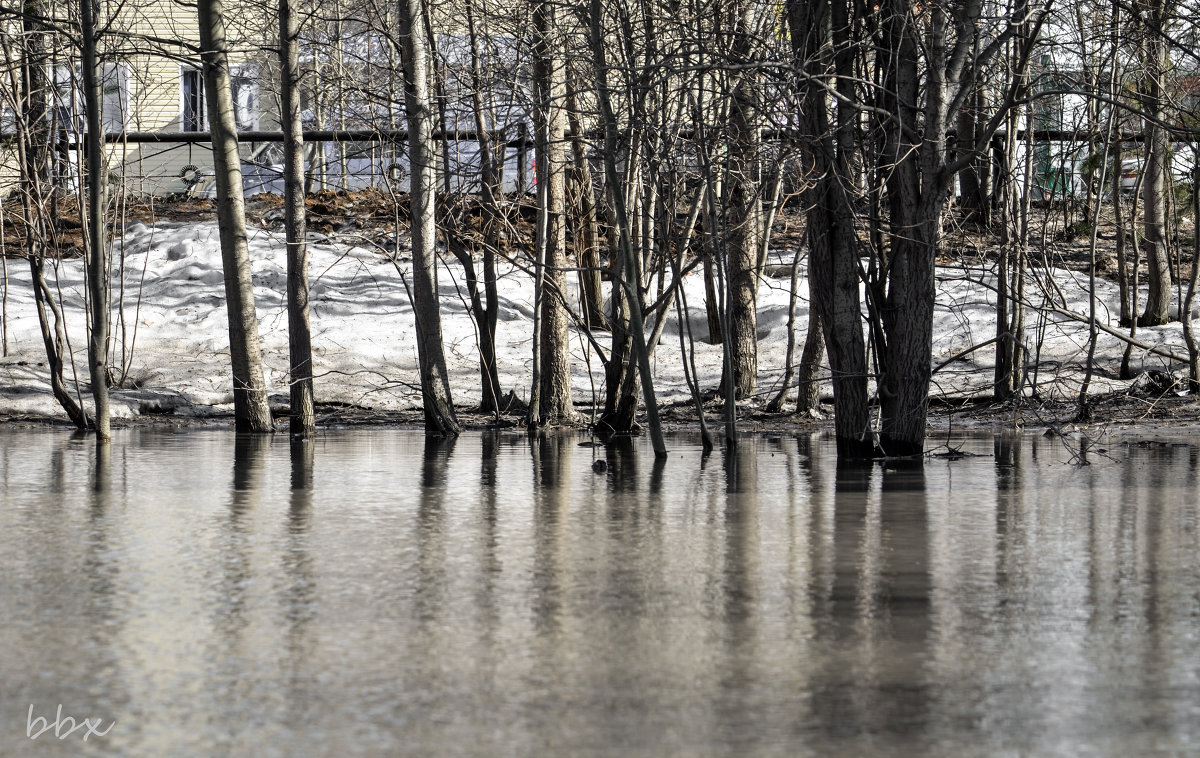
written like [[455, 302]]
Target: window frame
[[193, 100], [193, 106]]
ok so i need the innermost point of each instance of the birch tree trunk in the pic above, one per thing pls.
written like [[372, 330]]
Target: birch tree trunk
[[1009, 371], [251, 412], [303, 417], [440, 418]]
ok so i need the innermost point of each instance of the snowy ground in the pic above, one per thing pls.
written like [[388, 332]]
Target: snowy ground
[[170, 339]]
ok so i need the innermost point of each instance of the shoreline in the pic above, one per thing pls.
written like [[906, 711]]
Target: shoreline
[[1116, 415], [170, 358]]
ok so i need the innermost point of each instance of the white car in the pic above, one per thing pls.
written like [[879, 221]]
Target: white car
[[1182, 167]]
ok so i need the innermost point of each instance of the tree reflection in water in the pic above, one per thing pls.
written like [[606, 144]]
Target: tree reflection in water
[[495, 594]]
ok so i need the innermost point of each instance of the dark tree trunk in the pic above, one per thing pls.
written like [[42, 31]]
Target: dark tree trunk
[[553, 404], [628, 276], [33, 157], [591, 285], [808, 387], [834, 244], [973, 179], [302, 414], [712, 307], [54, 340], [97, 233], [914, 225], [745, 178]]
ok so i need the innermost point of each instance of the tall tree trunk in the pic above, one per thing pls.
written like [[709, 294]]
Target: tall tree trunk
[[303, 417], [251, 412], [33, 146], [808, 386], [554, 365], [1185, 309], [834, 244], [914, 226], [972, 181], [484, 301], [924, 84], [1125, 316], [1154, 184], [591, 286], [629, 278], [435, 382], [1009, 372], [96, 232], [745, 179]]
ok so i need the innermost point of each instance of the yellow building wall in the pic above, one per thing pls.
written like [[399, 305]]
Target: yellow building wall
[[155, 40], [156, 93]]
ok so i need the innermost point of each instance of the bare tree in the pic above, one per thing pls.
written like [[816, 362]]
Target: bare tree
[[1152, 16], [440, 418], [34, 141], [251, 412], [627, 276], [933, 57], [745, 227], [834, 246], [926, 61], [484, 295], [303, 421], [97, 233], [552, 395], [1009, 372]]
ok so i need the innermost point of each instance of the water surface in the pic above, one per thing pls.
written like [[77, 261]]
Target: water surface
[[374, 594]]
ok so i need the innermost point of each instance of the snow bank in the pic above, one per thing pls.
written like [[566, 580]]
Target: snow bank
[[171, 349]]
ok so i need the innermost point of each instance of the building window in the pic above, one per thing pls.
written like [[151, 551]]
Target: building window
[[114, 84], [193, 116], [68, 107], [243, 81], [66, 111]]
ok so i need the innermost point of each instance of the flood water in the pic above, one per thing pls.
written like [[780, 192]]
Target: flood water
[[369, 593]]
